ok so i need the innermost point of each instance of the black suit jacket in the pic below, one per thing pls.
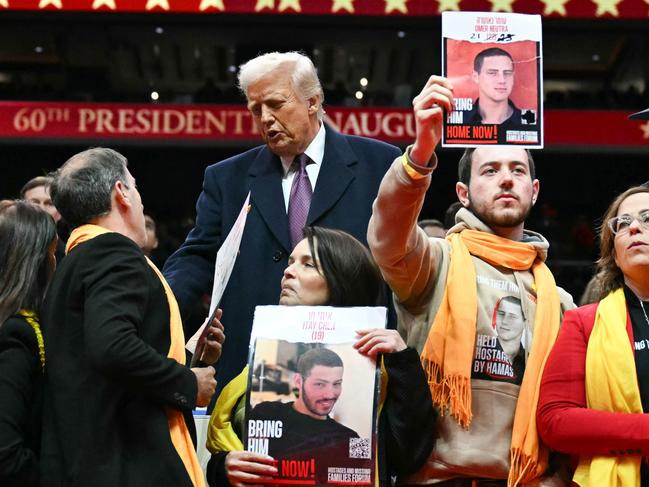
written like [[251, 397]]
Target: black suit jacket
[[21, 384], [349, 178], [108, 379]]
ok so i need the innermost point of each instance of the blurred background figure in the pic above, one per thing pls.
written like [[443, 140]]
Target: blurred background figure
[[27, 242], [433, 228], [37, 191], [595, 389]]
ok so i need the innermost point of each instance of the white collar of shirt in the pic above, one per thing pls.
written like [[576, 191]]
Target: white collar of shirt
[[315, 151]]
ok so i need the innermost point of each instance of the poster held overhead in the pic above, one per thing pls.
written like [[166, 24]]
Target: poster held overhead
[[494, 61]]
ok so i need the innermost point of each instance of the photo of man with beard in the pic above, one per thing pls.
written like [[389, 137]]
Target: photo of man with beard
[[303, 429]]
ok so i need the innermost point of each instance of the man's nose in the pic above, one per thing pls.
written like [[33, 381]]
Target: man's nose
[[506, 178], [266, 115]]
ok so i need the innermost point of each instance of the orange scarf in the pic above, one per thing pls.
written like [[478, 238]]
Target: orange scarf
[[448, 352], [180, 436]]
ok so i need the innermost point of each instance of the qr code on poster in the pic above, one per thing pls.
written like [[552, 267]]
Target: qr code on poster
[[359, 448]]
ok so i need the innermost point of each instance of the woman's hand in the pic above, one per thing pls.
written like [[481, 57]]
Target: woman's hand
[[379, 340], [214, 340], [246, 469]]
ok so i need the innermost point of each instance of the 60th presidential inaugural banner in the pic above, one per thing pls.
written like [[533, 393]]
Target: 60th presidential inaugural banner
[[219, 125]]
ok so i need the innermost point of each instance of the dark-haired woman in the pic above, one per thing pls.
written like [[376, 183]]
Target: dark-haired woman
[[594, 395], [332, 268], [27, 245]]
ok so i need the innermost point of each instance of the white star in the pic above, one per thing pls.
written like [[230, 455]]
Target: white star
[[558, 6], [4, 3], [217, 4], [392, 5], [262, 4], [151, 4], [45, 3], [100, 3], [345, 5], [286, 4]]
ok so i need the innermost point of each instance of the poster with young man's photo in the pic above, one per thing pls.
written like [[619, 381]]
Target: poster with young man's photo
[[494, 62], [312, 398]]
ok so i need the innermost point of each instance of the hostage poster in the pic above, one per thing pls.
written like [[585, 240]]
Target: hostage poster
[[311, 402], [494, 63]]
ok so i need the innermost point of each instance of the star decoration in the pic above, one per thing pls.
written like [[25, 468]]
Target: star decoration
[[392, 5], [645, 130], [262, 4], [217, 4], [445, 5], [151, 4], [555, 6], [45, 3], [348, 5], [286, 4], [103, 3], [4, 3], [606, 6], [501, 5]]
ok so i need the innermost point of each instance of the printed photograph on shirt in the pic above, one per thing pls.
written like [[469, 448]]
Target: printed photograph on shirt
[[494, 63], [501, 356], [312, 398]]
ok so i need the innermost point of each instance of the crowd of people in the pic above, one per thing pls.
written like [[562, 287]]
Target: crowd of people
[[491, 375]]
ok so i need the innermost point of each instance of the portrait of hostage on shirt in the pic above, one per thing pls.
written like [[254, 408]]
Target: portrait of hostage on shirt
[[502, 356], [307, 423]]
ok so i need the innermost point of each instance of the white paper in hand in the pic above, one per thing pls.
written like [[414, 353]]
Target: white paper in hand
[[225, 259]]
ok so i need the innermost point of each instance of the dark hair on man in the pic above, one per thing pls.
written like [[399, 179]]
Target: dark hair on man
[[82, 188], [491, 52], [317, 356], [352, 277], [35, 183], [26, 233], [609, 274], [464, 166]]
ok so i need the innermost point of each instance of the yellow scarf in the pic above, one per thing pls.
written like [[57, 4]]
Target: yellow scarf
[[448, 352], [32, 320], [180, 436], [611, 385]]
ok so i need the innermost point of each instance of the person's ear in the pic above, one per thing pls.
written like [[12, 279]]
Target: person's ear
[[121, 195], [474, 77], [462, 191], [536, 185], [314, 104], [297, 381]]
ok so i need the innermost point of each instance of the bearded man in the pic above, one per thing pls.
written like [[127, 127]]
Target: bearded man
[[445, 293]]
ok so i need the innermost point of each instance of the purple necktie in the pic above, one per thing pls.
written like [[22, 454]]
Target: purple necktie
[[300, 199]]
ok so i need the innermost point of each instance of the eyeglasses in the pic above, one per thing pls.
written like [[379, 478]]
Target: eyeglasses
[[620, 224]]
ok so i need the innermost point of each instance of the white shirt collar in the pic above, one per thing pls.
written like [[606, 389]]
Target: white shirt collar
[[315, 150]]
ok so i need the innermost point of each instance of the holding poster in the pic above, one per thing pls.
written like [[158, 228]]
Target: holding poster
[[311, 400], [494, 62]]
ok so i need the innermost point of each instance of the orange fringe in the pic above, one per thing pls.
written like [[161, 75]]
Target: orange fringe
[[453, 390]]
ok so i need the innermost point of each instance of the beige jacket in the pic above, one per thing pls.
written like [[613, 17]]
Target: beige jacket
[[416, 267]]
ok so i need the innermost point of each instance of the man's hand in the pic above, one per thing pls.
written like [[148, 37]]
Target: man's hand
[[206, 385], [246, 469], [214, 340], [429, 107], [379, 340]]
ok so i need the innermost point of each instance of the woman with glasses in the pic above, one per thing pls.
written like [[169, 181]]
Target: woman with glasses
[[595, 388]]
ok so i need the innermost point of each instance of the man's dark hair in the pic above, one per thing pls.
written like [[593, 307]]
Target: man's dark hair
[[82, 188], [352, 277], [491, 52], [317, 356], [464, 166], [35, 183]]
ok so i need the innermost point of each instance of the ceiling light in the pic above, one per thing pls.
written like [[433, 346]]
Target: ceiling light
[[359, 95], [363, 82], [155, 95]]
